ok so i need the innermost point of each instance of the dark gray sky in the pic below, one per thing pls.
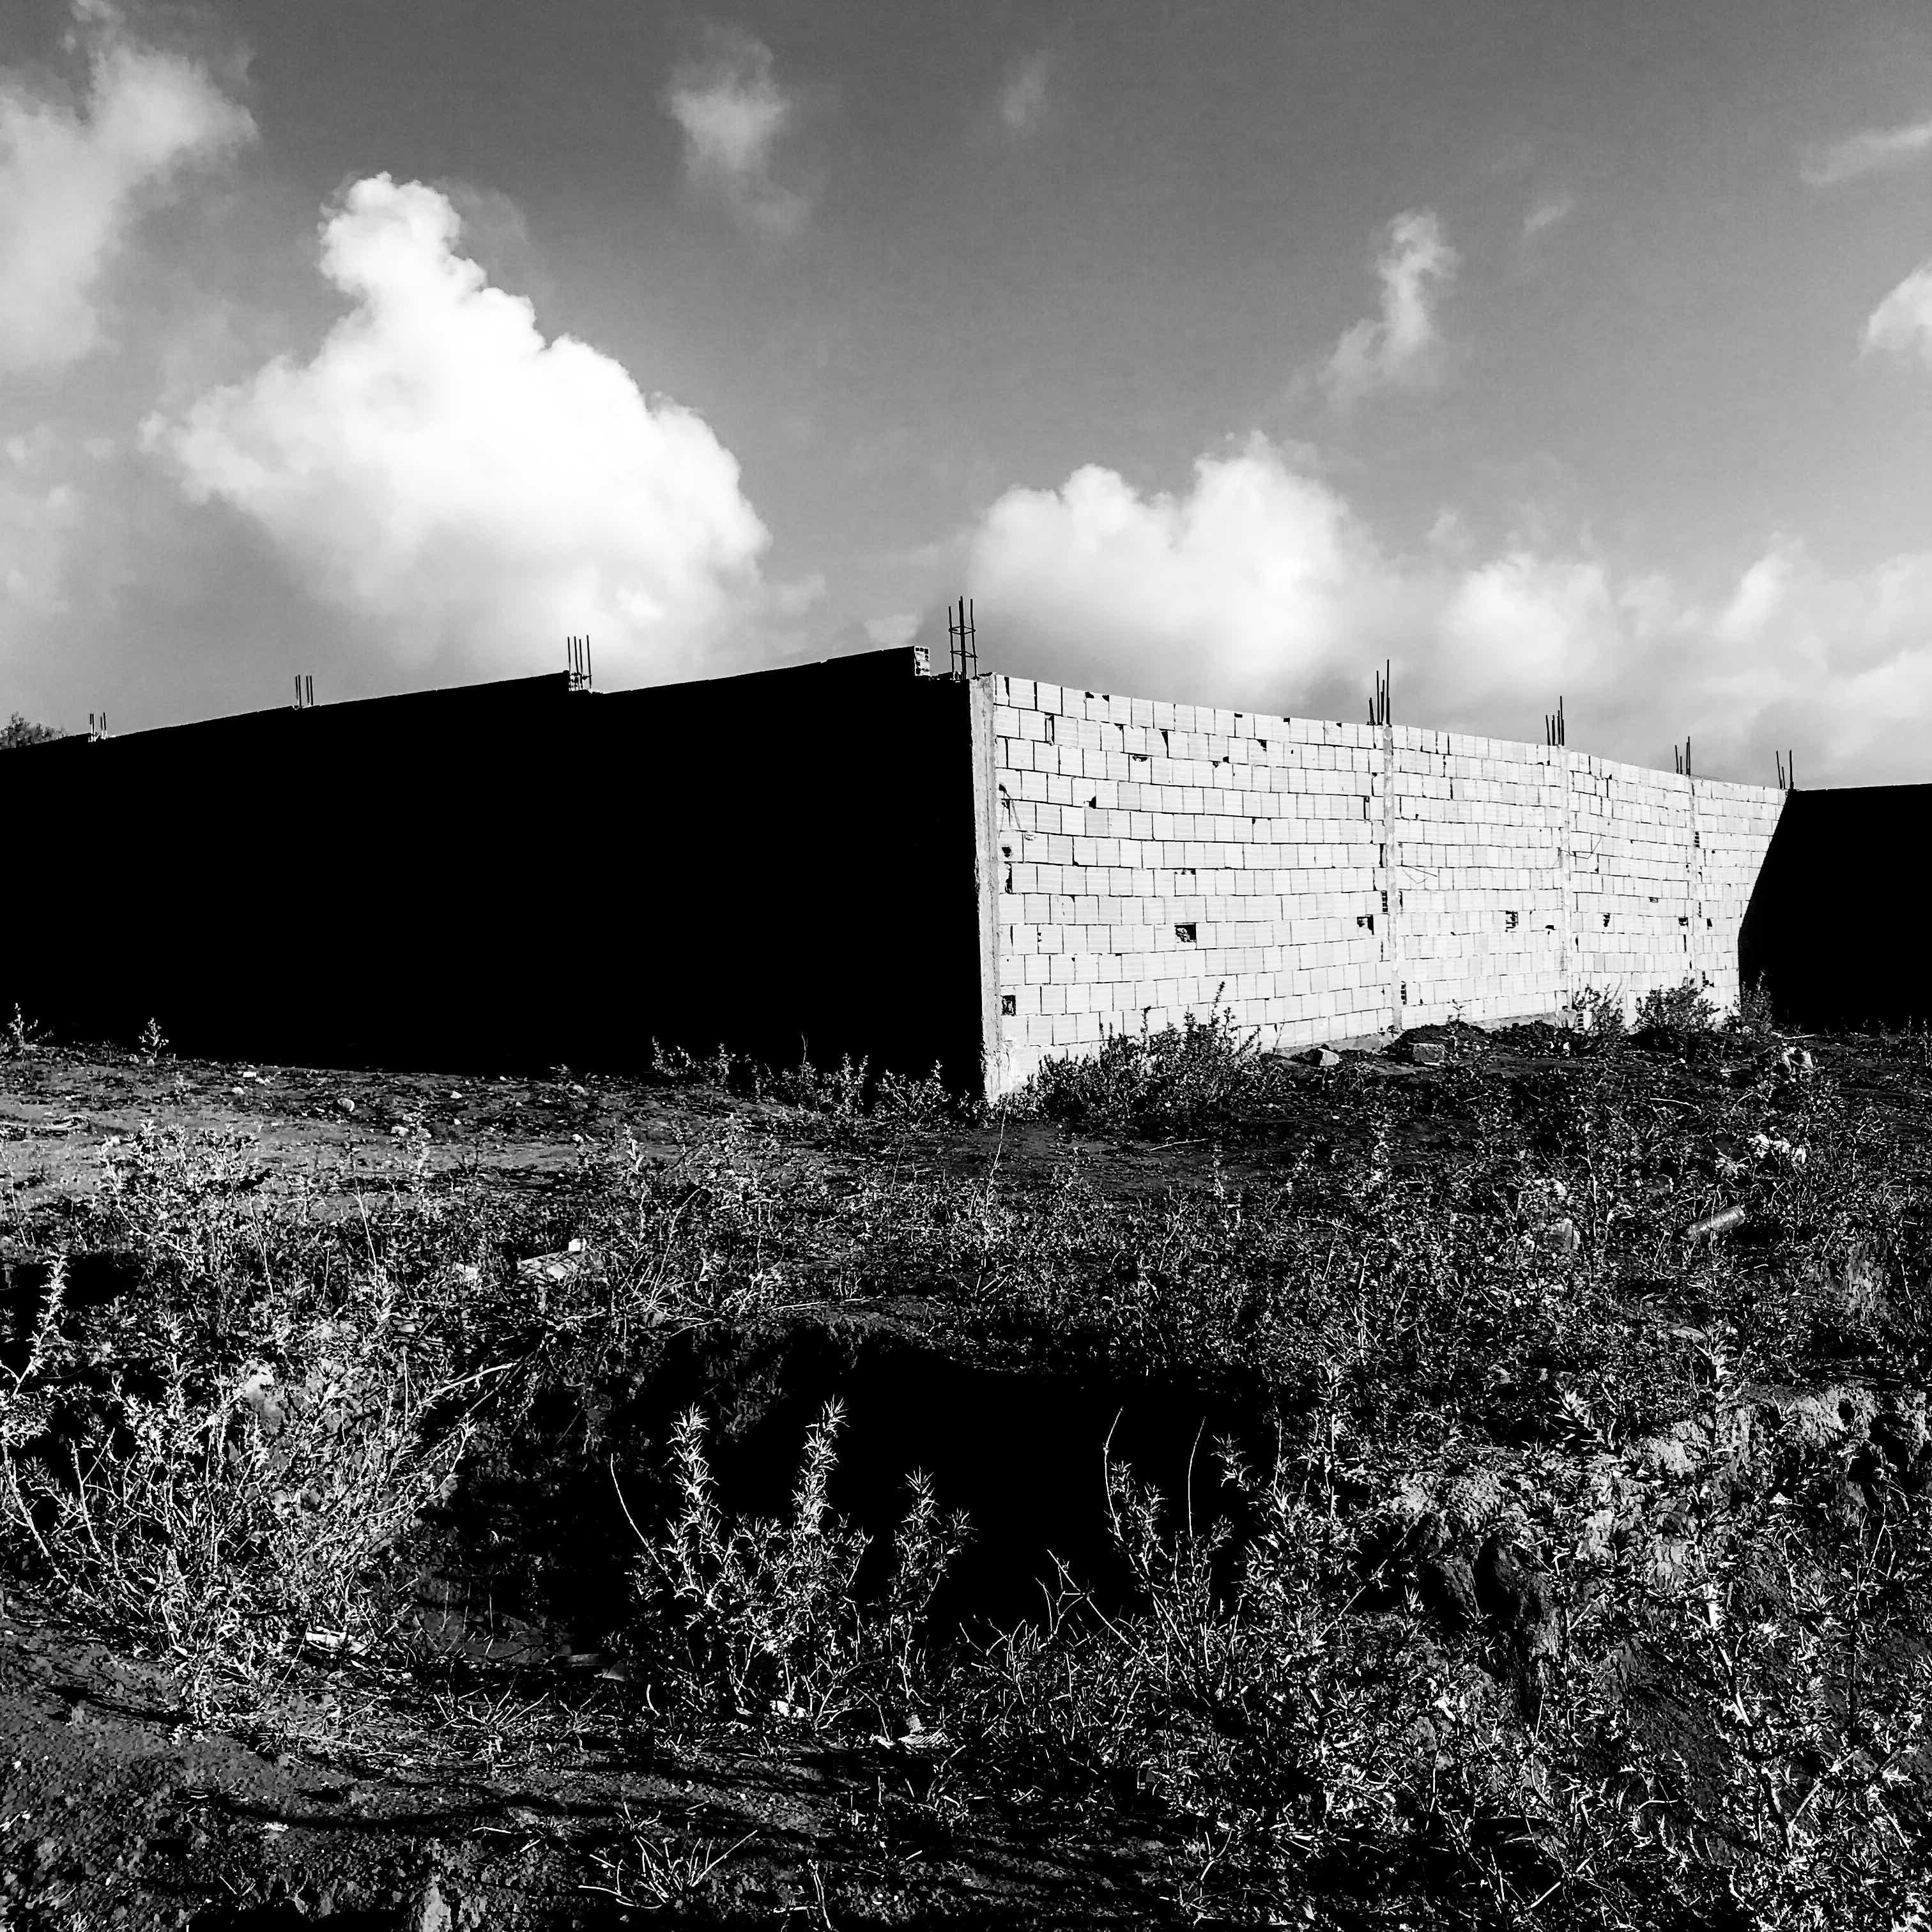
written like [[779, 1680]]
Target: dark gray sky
[[1219, 351]]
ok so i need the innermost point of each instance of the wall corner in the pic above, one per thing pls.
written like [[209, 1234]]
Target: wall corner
[[987, 878]]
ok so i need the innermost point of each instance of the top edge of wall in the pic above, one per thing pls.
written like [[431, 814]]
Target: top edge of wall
[[1425, 739], [509, 695], [905, 661], [898, 661]]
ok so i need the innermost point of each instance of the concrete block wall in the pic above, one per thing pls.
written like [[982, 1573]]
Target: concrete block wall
[[1036, 868], [1326, 880], [1835, 934], [782, 862]]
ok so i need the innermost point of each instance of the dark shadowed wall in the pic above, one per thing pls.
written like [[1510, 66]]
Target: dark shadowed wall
[[514, 874], [1836, 930]]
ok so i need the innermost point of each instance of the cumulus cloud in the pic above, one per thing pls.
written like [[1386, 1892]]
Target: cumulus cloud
[[1871, 151], [1257, 570], [734, 114], [1400, 348], [1023, 94], [1901, 325], [75, 174], [1260, 587], [441, 470], [1510, 625]]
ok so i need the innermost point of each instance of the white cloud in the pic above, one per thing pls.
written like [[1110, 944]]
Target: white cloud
[[1257, 575], [1260, 587], [1902, 323], [1871, 151], [74, 176], [40, 512], [1023, 95], [734, 114], [1547, 211], [1519, 623], [439, 468], [1761, 594], [1401, 347]]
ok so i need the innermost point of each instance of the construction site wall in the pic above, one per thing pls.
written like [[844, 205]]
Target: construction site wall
[[515, 875], [1319, 880], [852, 858], [1836, 934]]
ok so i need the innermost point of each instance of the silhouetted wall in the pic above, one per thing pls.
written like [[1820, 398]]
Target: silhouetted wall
[[514, 874], [1835, 930]]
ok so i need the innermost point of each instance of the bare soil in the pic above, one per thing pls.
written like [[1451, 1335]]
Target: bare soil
[[405, 1811], [113, 1812]]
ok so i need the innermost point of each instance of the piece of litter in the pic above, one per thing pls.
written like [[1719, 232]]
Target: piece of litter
[[1713, 1224]]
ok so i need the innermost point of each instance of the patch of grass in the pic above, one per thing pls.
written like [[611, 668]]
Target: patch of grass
[[654, 1873], [1561, 1568], [845, 1093]]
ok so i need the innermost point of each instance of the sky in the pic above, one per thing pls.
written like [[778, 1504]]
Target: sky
[[1219, 352]]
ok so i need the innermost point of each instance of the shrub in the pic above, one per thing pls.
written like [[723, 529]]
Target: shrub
[[845, 1092], [1264, 1713], [218, 1453], [1598, 1011], [1756, 1015], [766, 1616], [1738, 1738], [841, 1092], [670, 1243], [234, 1512], [1686, 1008], [18, 731], [727, 1071], [20, 1037], [901, 1101], [675, 1066], [1176, 1078]]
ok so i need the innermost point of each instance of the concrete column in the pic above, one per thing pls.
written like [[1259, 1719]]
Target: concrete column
[[1566, 857], [988, 876], [1694, 951], [1391, 873]]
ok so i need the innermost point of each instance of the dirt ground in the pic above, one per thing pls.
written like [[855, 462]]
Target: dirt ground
[[57, 1110], [113, 1813], [464, 1813]]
